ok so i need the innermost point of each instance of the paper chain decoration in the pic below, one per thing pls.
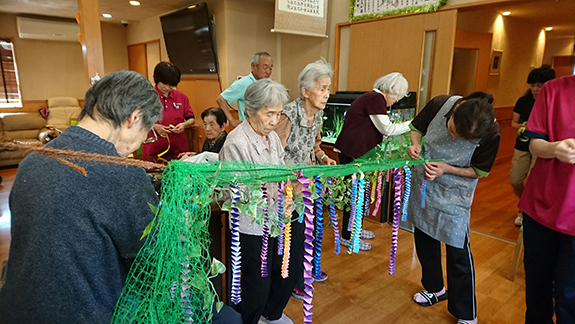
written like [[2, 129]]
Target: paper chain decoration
[[236, 248], [266, 233], [280, 216], [318, 227], [333, 216], [308, 250], [395, 226], [287, 230]]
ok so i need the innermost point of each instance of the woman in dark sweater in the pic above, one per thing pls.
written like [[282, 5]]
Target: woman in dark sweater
[[366, 124]]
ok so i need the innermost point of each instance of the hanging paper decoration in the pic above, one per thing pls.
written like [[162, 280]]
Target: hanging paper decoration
[[266, 233], [373, 188], [333, 216], [366, 201], [357, 223], [378, 201], [287, 230], [423, 186], [407, 192], [236, 249], [353, 200], [308, 251], [396, 211], [280, 216], [318, 227]]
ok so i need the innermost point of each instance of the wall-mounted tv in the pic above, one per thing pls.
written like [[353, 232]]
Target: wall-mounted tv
[[189, 39]]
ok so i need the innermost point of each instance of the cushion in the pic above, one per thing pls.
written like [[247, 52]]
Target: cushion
[[59, 117], [62, 102], [22, 121]]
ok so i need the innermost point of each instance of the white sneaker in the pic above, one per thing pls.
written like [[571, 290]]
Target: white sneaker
[[519, 219], [282, 320]]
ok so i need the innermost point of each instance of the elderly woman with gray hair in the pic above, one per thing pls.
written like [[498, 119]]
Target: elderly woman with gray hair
[[366, 124], [254, 141], [300, 132]]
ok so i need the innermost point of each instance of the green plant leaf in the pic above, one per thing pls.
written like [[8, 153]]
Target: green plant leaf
[[219, 306], [217, 267]]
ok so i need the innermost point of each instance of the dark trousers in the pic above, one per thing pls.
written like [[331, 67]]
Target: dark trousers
[[262, 296], [460, 273], [226, 315], [549, 274], [345, 233]]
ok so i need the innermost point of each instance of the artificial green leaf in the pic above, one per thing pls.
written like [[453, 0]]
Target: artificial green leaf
[[153, 208], [148, 228], [217, 267], [227, 206], [219, 306]]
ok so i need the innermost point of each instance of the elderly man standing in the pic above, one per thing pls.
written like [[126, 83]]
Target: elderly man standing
[[262, 65]]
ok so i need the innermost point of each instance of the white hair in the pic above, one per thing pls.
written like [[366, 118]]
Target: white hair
[[257, 56], [265, 92], [393, 84], [313, 72]]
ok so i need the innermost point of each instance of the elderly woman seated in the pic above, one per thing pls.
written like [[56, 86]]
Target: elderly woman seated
[[215, 123], [254, 140]]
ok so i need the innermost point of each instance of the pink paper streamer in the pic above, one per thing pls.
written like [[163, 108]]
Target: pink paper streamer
[[308, 252], [378, 201], [280, 216]]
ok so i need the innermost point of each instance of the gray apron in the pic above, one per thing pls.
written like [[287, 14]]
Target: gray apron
[[448, 197]]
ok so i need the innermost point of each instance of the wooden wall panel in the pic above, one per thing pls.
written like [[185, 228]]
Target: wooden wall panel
[[202, 94], [504, 117], [382, 46], [482, 42]]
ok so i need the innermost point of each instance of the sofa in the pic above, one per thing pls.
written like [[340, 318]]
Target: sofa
[[32, 128]]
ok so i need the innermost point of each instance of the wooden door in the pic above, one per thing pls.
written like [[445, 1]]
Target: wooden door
[[137, 59]]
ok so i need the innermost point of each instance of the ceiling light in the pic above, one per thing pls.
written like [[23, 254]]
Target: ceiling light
[[506, 13], [192, 6], [548, 28], [106, 15], [135, 3]]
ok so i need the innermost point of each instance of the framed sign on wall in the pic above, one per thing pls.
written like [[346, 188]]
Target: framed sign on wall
[[495, 66], [367, 9]]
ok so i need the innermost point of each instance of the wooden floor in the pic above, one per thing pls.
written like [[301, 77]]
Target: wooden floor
[[359, 287]]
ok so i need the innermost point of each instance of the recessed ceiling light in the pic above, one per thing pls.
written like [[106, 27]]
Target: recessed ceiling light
[[192, 6], [548, 28], [506, 13], [135, 3], [106, 15]]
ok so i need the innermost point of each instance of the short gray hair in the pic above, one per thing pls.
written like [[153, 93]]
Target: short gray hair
[[257, 56], [116, 96], [312, 72], [265, 92], [394, 84]]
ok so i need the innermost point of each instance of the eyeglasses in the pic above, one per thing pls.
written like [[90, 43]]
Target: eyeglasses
[[151, 139]]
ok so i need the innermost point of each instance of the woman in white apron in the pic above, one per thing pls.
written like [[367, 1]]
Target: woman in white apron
[[462, 132]]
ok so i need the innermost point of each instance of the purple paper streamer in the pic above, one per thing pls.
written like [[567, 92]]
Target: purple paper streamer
[[318, 227], [266, 233], [235, 242], [280, 216], [407, 192], [353, 200], [333, 217], [396, 212], [367, 198], [308, 252]]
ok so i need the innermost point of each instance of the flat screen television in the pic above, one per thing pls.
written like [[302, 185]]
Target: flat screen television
[[189, 40]]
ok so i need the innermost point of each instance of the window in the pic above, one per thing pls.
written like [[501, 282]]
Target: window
[[9, 85]]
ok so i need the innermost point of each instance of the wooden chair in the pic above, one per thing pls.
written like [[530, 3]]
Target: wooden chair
[[516, 257]]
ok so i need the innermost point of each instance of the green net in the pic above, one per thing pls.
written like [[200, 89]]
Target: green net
[[169, 280]]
